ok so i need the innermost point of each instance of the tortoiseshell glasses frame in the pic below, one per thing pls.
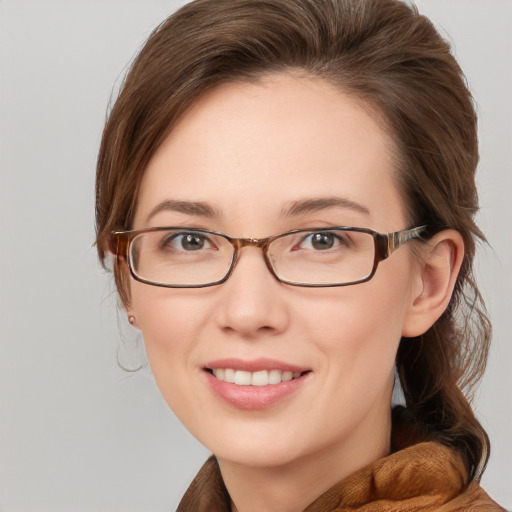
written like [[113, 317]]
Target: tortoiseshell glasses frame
[[153, 258]]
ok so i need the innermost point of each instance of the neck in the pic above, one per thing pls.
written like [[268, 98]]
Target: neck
[[293, 486]]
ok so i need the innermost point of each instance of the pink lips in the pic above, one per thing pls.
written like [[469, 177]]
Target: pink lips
[[254, 397]]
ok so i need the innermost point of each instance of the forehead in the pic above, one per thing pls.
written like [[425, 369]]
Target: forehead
[[250, 149]]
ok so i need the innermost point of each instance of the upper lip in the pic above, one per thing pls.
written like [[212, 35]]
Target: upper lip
[[254, 365]]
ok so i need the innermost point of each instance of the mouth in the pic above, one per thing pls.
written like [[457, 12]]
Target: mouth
[[256, 384], [258, 378]]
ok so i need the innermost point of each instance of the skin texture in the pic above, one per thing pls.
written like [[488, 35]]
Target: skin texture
[[250, 151]]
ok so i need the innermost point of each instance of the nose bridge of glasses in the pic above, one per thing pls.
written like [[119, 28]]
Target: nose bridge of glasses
[[240, 243], [258, 243]]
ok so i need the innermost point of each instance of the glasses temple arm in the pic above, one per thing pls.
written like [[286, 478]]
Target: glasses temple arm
[[387, 244]]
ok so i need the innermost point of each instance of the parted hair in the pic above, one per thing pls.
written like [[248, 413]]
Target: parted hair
[[385, 54]]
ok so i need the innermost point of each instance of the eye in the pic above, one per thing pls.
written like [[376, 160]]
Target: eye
[[187, 242], [322, 241]]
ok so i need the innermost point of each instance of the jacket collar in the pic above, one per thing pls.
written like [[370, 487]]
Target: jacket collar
[[423, 476]]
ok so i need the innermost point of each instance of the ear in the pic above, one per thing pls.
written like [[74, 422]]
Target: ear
[[438, 268]]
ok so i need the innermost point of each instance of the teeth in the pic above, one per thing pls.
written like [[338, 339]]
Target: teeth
[[229, 375], [260, 378], [287, 376], [274, 376], [242, 378]]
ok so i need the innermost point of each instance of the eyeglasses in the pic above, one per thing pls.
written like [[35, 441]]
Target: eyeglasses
[[178, 257]]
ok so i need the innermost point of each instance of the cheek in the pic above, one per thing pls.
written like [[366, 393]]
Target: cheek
[[360, 313], [358, 328], [166, 315], [170, 322]]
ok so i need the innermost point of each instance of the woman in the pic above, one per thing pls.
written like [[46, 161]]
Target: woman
[[288, 187]]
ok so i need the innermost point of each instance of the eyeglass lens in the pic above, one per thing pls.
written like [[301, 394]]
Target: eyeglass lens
[[180, 257]]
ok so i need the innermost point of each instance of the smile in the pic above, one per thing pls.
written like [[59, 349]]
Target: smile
[[255, 384], [258, 378]]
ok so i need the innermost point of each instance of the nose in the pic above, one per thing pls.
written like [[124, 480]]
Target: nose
[[252, 302]]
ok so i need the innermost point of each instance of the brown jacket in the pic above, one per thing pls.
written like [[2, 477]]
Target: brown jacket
[[421, 475], [425, 477]]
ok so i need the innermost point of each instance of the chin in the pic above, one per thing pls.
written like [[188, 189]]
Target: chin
[[257, 457], [260, 447]]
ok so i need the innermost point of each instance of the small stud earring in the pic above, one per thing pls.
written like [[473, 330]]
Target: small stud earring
[[131, 319]]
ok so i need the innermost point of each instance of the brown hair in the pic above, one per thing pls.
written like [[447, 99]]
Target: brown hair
[[380, 51]]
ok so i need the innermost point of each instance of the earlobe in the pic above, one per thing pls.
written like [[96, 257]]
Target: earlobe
[[439, 267], [132, 320]]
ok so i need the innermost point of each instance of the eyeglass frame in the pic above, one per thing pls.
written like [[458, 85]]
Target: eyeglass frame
[[384, 243]]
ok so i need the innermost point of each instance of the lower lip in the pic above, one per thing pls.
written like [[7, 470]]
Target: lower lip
[[253, 397]]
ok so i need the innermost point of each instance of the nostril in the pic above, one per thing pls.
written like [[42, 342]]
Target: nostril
[[266, 328]]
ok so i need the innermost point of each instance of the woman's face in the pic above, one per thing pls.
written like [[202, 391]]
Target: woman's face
[[256, 155]]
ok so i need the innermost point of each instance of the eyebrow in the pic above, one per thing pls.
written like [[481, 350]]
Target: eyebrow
[[310, 205], [295, 208], [196, 208]]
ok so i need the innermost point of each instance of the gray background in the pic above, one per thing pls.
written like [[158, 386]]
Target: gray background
[[76, 432]]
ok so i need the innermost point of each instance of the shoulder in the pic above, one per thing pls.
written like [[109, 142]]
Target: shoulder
[[474, 499]]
